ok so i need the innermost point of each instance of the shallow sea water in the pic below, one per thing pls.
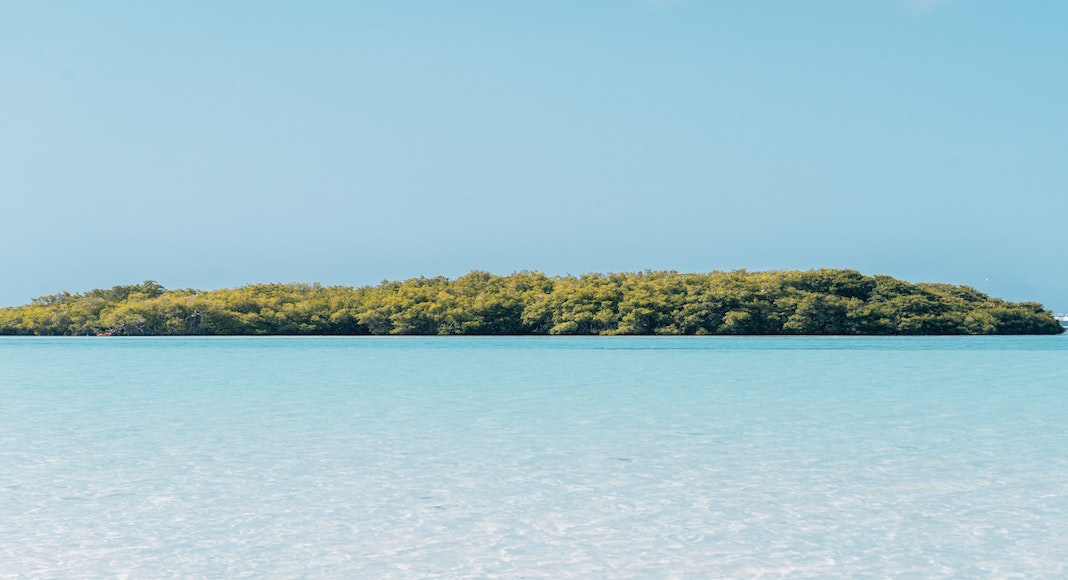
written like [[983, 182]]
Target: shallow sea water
[[534, 457]]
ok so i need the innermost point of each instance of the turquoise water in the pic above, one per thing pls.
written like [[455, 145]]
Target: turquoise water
[[534, 457]]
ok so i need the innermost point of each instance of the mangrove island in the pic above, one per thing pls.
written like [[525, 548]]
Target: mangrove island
[[815, 302]]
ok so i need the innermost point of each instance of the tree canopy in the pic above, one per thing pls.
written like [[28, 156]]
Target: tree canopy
[[817, 302]]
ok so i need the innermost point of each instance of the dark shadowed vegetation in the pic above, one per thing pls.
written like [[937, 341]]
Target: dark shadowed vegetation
[[740, 302]]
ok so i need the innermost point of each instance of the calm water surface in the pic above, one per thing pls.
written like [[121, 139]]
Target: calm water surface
[[534, 457]]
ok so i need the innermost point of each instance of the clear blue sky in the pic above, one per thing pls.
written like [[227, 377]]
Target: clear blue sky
[[211, 144]]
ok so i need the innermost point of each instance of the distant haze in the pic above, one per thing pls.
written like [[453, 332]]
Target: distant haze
[[207, 144]]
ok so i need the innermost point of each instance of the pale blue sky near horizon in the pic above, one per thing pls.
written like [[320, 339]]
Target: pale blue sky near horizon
[[207, 144]]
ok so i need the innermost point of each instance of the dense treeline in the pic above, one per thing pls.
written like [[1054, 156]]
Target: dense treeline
[[740, 302]]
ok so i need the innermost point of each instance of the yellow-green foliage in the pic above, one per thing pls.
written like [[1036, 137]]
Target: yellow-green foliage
[[740, 302]]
